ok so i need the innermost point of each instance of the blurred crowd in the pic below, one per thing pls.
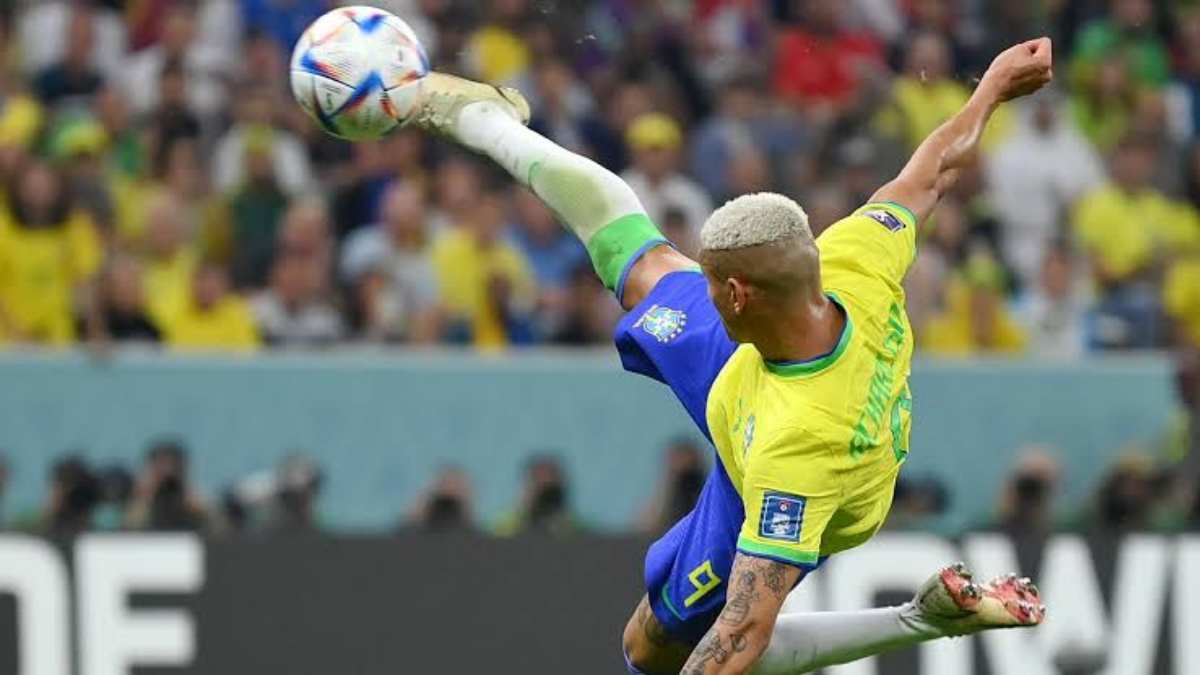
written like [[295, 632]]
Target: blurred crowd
[[159, 184], [1145, 489]]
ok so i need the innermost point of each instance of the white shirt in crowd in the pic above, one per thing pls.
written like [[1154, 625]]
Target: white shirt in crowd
[[311, 325], [674, 192], [409, 275], [1035, 177], [288, 155]]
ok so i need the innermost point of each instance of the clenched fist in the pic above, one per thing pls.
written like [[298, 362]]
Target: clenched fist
[[1020, 70]]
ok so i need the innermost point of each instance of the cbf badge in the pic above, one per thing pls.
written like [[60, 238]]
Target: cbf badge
[[664, 323], [782, 517]]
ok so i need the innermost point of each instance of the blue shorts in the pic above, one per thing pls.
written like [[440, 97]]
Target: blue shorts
[[676, 336]]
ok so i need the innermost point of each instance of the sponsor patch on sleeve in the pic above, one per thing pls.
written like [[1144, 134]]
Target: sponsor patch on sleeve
[[782, 517], [886, 219]]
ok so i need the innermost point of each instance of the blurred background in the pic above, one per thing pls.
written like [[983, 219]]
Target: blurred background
[[216, 319]]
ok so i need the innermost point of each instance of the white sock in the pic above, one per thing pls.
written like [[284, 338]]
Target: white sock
[[804, 642], [584, 194]]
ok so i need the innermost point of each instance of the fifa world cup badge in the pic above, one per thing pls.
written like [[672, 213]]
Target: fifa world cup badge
[[664, 323]]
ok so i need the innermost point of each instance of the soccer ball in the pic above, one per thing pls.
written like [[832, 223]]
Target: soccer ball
[[356, 72]]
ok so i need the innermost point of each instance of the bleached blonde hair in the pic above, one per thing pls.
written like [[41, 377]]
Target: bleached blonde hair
[[753, 220]]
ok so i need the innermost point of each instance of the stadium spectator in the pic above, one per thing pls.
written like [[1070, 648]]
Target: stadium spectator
[[173, 119], [485, 284], [54, 18], [204, 65], [1184, 94], [564, 111], [1127, 499], [295, 310], [210, 317], [1027, 500], [683, 476], [495, 51], [48, 252], [446, 506], [1037, 174], [76, 145], [255, 210], [1123, 227], [299, 486], [591, 311], [1128, 32], [655, 140], [975, 318], [819, 63], [1052, 311], [389, 271], [169, 261], [72, 79], [545, 506], [72, 499], [925, 95], [115, 489], [553, 255], [255, 133], [121, 312], [1103, 103], [163, 497], [283, 20]]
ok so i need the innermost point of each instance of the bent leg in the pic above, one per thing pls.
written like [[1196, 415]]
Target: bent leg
[[649, 650], [628, 252]]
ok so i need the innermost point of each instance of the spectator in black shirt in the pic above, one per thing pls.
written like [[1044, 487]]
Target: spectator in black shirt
[[121, 312]]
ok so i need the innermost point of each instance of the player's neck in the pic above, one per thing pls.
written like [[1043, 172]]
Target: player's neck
[[808, 331]]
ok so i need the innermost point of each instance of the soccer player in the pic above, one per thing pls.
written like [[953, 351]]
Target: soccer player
[[792, 355]]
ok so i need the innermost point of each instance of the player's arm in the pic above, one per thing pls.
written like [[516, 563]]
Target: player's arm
[[933, 169], [757, 589]]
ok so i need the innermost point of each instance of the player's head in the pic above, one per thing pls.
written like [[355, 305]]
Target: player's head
[[760, 259]]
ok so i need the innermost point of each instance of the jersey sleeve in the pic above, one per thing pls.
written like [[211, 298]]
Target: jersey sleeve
[[790, 493], [879, 239]]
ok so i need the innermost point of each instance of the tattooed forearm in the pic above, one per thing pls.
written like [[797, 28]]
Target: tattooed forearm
[[741, 596], [775, 576], [757, 589], [712, 650]]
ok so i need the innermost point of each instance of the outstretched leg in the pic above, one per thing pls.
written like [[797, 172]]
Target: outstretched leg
[[628, 252], [949, 604]]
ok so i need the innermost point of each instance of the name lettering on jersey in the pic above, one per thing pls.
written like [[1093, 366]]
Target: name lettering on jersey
[[886, 219], [663, 323], [870, 423], [782, 517], [748, 437]]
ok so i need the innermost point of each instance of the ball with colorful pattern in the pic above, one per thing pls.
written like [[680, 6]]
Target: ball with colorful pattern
[[355, 71]]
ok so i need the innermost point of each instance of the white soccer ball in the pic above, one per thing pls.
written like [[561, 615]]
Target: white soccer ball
[[356, 71]]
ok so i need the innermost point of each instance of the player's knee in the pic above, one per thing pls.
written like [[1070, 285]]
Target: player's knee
[[647, 648]]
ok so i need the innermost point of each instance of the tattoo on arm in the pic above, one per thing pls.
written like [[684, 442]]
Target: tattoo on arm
[[757, 589]]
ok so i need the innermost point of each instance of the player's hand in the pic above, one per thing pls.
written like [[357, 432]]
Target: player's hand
[[1020, 70]]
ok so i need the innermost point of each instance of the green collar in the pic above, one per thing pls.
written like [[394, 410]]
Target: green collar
[[816, 365]]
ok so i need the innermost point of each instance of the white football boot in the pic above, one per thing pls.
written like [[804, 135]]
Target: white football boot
[[442, 97], [955, 605]]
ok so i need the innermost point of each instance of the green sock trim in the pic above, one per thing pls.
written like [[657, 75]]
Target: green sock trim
[[612, 248]]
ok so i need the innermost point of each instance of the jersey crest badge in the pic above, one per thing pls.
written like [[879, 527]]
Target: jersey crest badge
[[664, 323], [886, 219], [782, 517]]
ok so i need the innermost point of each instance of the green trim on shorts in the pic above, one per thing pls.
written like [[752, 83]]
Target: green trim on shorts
[[748, 545], [616, 243]]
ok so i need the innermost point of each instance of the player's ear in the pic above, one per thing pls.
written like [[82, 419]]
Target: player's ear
[[737, 294]]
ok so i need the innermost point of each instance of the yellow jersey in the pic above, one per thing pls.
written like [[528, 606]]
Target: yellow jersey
[[814, 447]]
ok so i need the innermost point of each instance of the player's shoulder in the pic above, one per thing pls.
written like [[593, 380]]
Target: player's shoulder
[[879, 217]]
